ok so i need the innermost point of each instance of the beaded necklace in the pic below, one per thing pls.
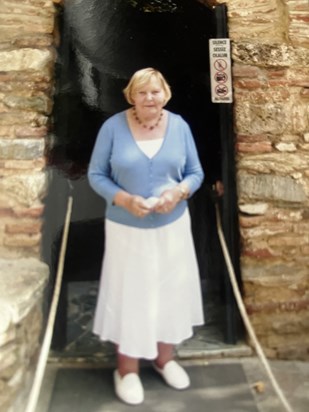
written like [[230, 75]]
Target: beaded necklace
[[145, 126]]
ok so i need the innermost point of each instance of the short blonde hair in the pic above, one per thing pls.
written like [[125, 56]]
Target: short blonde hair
[[141, 78]]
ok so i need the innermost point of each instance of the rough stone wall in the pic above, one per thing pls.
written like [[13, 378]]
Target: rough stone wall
[[270, 40], [22, 286], [26, 86]]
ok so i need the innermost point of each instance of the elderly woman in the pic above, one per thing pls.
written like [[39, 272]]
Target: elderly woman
[[145, 165]]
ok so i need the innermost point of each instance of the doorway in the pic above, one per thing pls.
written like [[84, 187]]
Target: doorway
[[102, 45]]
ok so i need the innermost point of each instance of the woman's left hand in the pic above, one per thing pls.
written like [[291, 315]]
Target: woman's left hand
[[167, 201]]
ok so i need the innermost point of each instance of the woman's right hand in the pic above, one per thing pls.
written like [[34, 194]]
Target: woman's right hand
[[134, 204], [138, 206]]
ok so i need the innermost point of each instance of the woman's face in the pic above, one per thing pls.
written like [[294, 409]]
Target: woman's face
[[150, 98]]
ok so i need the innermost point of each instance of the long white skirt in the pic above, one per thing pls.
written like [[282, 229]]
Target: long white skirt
[[150, 287]]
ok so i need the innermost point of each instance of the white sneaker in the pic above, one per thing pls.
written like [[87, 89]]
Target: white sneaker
[[174, 375], [129, 388]]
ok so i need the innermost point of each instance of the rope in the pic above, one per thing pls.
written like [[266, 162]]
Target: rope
[[39, 373], [245, 317]]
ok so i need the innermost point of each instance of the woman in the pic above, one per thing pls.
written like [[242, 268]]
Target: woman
[[145, 165]]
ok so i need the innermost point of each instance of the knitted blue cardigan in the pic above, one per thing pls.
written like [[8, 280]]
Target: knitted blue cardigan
[[117, 163]]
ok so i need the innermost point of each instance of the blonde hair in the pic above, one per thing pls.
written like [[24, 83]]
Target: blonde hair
[[141, 78]]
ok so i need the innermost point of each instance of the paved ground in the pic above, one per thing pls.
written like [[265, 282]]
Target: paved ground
[[217, 385]]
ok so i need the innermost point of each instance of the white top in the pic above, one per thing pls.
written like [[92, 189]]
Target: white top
[[150, 147]]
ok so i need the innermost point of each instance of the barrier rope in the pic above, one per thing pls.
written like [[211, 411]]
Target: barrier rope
[[39, 373], [244, 314]]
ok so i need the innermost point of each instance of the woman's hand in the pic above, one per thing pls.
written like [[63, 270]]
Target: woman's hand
[[138, 206], [134, 204], [168, 200]]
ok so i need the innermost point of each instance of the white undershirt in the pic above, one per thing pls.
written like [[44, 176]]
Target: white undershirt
[[150, 147]]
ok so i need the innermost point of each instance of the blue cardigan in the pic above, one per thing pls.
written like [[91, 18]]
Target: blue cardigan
[[117, 163]]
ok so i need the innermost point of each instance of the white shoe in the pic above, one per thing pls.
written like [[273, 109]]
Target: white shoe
[[174, 375], [129, 388]]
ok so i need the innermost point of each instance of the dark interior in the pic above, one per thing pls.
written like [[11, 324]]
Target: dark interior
[[102, 44]]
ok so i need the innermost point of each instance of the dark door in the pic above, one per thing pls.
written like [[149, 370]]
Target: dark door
[[102, 44]]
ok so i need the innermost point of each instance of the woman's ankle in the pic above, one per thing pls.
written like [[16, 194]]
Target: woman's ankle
[[126, 365]]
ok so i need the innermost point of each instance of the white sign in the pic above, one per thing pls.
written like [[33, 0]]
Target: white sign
[[220, 71]]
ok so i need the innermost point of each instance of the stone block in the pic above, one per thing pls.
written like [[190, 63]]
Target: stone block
[[15, 118], [10, 167], [26, 190], [40, 104], [276, 272], [270, 187], [26, 59], [276, 118], [263, 93], [277, 162], [284, 241], [269, 55], [254, 208], [286, 147], [20, 292], [21, 149]]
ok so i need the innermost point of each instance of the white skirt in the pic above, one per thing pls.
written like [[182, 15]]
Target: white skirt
[[150, 287]]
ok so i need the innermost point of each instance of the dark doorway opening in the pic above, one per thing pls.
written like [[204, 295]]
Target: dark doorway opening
[[102, 44]]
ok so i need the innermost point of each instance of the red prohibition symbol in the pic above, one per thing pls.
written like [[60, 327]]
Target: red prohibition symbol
[[220, 77], [221, 90], [220, 65]]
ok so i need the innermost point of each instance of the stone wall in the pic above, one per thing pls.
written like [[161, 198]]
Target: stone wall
[[270, 40], [26, 85], [22, 286]]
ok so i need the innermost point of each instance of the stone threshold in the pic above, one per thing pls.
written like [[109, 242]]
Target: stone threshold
[[224, 351]]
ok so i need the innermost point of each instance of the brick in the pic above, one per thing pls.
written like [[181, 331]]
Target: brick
[[34, 165], [29, 228], [251, 221], [6, 212], [283, 306], [241, 70], [252, 138], [274, 73], [258, 253], [258, 147], [29, 212], [32, 132], [249, 84], [22, 240]]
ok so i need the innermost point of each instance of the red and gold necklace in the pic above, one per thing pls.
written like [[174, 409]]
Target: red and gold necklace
[[145, 126]]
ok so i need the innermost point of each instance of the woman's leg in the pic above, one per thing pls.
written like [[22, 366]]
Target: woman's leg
[[126, 364], [173, 374], [165, 354], [128, 386]]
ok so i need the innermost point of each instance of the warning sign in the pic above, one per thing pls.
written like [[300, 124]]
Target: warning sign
[[220, 71]]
